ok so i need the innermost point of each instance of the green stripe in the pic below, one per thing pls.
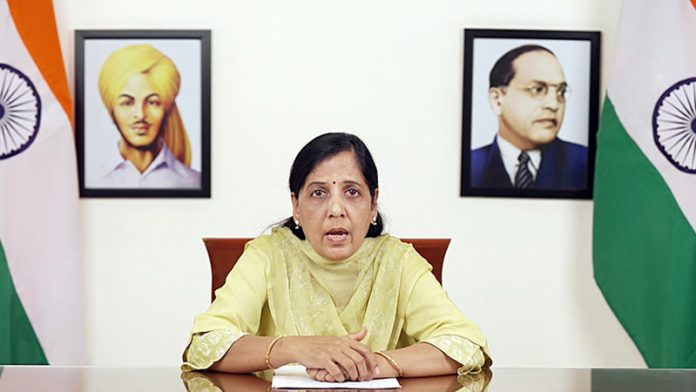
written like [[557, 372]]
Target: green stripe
[[644, 250], [18, 342]]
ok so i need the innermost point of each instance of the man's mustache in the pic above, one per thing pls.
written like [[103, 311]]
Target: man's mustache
[[140, 123]]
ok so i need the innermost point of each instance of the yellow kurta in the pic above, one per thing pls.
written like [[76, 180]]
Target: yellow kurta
[[281, 286]]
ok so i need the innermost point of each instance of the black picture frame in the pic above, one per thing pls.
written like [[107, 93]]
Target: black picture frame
[[578, 52], [98, 137]]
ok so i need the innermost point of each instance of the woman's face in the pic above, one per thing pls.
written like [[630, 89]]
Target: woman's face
[[138, 112], [334, 207]]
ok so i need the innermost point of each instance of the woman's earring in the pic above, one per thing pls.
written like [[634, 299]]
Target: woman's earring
[[297, 224], [374, 221]]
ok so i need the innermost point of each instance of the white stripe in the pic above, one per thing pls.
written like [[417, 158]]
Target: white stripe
[[655, 49], [39, 217]]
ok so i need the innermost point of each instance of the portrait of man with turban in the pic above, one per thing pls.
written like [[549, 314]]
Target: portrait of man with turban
[[138, 85]]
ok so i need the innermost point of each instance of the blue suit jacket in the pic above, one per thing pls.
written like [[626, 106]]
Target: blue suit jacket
[[563, 166]]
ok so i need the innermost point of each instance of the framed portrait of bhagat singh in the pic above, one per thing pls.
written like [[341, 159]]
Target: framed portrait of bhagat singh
[[530, 113], [143, 112]]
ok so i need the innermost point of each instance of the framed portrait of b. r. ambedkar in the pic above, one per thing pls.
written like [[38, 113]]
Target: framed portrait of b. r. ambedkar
[[530, 113], [143, 113]]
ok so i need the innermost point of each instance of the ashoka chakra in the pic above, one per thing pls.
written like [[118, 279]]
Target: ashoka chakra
[[674, 124], [20, 111]]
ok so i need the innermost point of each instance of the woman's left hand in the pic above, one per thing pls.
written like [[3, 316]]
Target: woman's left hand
[[321, 375]]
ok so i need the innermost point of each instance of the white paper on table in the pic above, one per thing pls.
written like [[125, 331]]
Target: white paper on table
[[295, 376]]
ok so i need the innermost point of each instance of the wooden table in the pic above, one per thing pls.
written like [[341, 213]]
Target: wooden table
[[107, 379]]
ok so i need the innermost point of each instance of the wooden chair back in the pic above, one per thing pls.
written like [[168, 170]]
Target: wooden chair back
[[224, 253]]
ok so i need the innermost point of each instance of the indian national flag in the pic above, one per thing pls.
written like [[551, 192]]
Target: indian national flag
[[645, 184], [41, 311]]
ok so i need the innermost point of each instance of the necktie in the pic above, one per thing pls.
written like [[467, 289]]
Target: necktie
[[523, 177]]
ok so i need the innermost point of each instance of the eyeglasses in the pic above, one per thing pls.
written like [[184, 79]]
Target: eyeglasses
[[539, 90]]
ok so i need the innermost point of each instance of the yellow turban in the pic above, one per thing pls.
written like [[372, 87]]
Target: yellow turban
[[164, 77]]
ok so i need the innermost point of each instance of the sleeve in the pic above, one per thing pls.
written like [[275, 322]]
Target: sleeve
[[207, 348], [235, 312], [199, 382], [431, 317]]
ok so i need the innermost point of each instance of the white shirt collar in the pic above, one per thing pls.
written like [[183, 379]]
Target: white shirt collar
[[509, 153], [163, 158]]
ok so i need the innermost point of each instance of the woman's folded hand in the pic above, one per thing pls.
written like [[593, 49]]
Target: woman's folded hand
[[333, 358]]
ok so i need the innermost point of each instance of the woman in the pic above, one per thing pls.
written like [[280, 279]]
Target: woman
[[328, 290]]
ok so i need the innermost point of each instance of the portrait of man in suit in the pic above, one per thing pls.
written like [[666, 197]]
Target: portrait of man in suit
[[527, 91]]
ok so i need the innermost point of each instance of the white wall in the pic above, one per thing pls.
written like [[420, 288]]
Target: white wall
[[391, 71]]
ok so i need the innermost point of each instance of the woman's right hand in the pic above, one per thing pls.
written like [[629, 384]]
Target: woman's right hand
[[341, 357]]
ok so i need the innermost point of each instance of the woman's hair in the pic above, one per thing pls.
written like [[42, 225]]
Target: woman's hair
[[322, 148], [165, 79]]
